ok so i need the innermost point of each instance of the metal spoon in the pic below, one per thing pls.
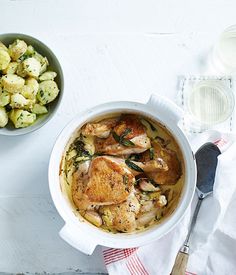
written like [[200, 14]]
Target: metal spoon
[[206, 159]]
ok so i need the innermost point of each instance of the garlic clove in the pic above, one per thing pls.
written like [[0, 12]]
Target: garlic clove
[[93, 217]]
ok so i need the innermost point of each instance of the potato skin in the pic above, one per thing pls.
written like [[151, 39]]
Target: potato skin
[[19, 101], [21, 118], [11, 68], [12, 83], [4, 59], [48, 91], [47, 76], [3, 117], [30, 89], [39, 109], [31, 67], [4, 98], [17, 49]]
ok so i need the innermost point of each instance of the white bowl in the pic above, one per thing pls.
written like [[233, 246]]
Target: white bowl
[[81, 234]]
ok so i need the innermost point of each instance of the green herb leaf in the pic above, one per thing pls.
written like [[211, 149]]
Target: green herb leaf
[[127, 142], [125, 133], [133, 166], [115, 136], [79, 146], [120, 139], [152, 181], [135, 157]]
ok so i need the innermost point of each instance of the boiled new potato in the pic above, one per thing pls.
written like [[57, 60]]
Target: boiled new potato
[[22, 118], [47, 76], [31, 67], [17, 49], [48, 91], [3, 117], [44, 63], [4, 98], [30, 51], [19, 101], [39, 109], [20, 70], [12, 83], [30, 88], [11, 68], [4, 59], [25, 84]]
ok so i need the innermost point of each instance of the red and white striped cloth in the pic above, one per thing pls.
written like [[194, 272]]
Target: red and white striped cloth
[[158, 258], [132, 261]]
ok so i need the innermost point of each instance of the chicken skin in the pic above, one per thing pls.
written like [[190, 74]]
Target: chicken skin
[[121, 217], [109, 182], [170, 158], [137, 138], [100, 129], [79, 183]]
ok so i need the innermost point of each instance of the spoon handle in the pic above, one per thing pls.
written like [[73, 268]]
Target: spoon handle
[[182, 256], [180, 264], [193, 222]]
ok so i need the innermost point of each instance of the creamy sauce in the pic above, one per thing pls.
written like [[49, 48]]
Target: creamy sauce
[[172, 192]]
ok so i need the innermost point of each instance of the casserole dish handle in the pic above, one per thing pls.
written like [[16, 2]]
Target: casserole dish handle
[[77, 239], [166, 107]]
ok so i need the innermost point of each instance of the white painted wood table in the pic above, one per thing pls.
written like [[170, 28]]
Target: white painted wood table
[[109, 50]]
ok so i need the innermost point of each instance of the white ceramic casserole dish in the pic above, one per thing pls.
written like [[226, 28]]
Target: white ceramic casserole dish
[[81, 234]]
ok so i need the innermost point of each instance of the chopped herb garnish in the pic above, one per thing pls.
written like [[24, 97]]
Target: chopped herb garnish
[[133, 166], [20, 116], [41, 93], [79, 146], [81, 154], [23, 57]]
